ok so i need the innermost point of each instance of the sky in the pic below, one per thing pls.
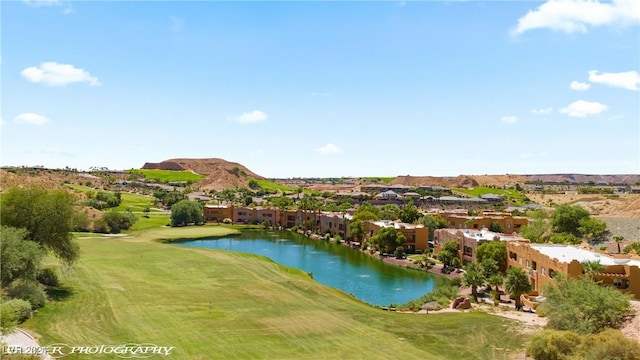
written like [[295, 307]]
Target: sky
[[324, 89]]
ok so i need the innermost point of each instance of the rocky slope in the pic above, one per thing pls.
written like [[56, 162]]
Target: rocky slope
[[219, 173]]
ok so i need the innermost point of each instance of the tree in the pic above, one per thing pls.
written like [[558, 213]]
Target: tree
[[356, 228], [566, 218], [389, 212], [187, 212], [19, 257], [496, 227], [409, 213], [399, 253], [582, 306], [592, 267], [517, 283], [366, 212], [387, 239], [117, 221], [47, 215], [592, 228], [433, 222], [496, 280], [448, 253], [493, 250], [618, 239], [538, 229], [146, 211], [473, 277]]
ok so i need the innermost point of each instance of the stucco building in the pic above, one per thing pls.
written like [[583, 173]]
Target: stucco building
[[543, 261]]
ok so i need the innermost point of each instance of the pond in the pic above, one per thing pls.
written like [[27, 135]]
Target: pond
[[363, 276]]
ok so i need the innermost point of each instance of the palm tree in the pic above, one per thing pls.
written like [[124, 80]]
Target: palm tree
[[496, 280], [356, 228], [591, 267], [473, 277], [618, 239], [517, 283]]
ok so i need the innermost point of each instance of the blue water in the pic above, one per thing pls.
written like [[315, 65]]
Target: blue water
[[365, 277]]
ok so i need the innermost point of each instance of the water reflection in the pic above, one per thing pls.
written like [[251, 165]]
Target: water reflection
[[341, 267]]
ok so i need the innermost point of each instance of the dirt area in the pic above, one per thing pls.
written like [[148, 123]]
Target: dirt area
[[632, 328], [623, 205]]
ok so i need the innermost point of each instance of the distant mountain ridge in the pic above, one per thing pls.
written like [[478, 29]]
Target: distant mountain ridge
[[627, 179]]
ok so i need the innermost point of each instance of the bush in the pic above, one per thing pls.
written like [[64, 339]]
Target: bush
[[28, 291], [21, 309], [47, 276], [337, 238], [399, 253], [457, 282], [553, 344], [609, 345], [8, 318]]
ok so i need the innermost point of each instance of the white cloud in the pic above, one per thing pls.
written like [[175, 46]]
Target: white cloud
[[41, 3], [328, 150], [579, 86], [55, 74], [509, 119], [583, 108], [627, 80], [251, 117], [47, 3], [577, 15], [31, 118], [543, 111]]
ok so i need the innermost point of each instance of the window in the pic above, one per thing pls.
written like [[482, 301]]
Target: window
[[528, 264], [544, 271], [520, 261], [552, 273], [534, 266], [513, 256], [621, 283]]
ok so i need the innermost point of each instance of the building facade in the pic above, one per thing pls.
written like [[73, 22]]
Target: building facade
[[543, 261]]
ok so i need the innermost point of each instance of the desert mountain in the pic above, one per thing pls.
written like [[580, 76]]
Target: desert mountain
[[219, 173]]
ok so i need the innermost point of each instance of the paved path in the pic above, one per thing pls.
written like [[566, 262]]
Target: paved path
[[20, 339]]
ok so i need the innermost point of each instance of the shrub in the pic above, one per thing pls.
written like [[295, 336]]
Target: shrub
[[553, 344], [28, 291], [457, 282], [21, 309], [47, 276], [609, 344], [399, 253], [8, 318], [337, 238]]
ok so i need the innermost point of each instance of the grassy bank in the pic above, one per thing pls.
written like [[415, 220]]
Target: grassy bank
[[208, 303]]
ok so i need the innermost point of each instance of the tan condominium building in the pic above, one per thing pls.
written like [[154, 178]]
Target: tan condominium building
[[469, 240], [417, 235], [543, 261]]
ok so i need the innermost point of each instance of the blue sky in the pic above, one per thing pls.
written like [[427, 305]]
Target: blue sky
[[301, 89]]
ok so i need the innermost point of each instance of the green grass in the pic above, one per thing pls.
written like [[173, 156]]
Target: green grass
[[512, 196], [135, 202], [385, 180], [153, 221], [269, 185], [166, 176], [225, 305]]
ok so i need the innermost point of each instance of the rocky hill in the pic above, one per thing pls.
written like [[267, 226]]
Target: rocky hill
[[219, 173]]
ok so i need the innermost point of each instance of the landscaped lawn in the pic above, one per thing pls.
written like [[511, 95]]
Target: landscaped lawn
[[513, 196], [224, 305], [168, 175]]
